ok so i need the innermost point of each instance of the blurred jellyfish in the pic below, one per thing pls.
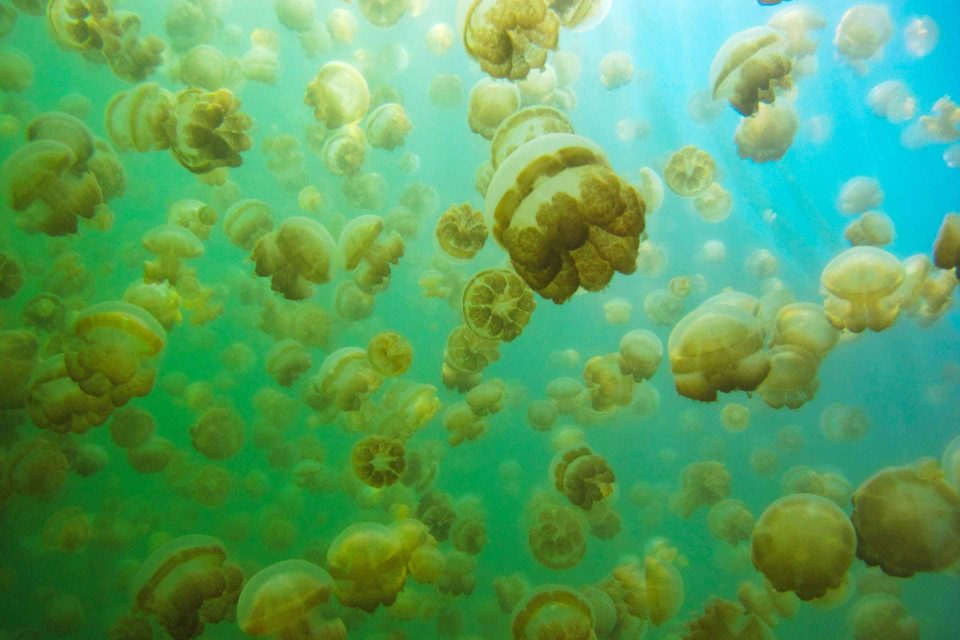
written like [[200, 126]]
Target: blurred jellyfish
[[893, 100], [921, 35]]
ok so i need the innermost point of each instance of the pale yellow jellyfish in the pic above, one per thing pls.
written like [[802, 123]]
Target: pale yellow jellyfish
[[911, 498], [767, 134], [383, 13], [440, 38], [882, 615], [299, 254], [344, 151], [390, 353], [553, 611], [280, 601], [171, 244], [523, 126], [862, 32], [844, 423], [497, 305], [344, 381], [859, 194], [892, 100], [805, 325], [689, 171], [338, 95], [664, 589], [616, 70], [508, 37], [946, 247], [873, 228], [490, 103], [617, 311], [297, 15], [210, 130], [803, 543], [35, 467], [702, 483], [861, 285], [247, 221], [735, 417], [388, 126], [567, 224], [131, 427], [731, 521], [461, 231], [792, 380], [342, 25], [217, 433], [751, 67], [556, 537], [368, 563], [607, 384]]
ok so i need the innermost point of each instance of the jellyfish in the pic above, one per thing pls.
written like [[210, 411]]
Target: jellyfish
[[368, 564], [218, 433], [390, 353], [844, 423], [286, 361], [792, 380], [210, 130], [19, 352], [913, 498], [550, 610], [616, 70], [714, 204], [296, 15], [35, 467], [718, 347], [862, 32], [344, 381], [297, 255], [805, 325], [751, 67], [497, 304], [946, 247], [730, 520], [556, 537], [882, 615], [803, 543], [571, 230], [767, 134], [171, 244], [490, 103], [342, 26], [378, 461], [338, 95], [861, 284], [387, 126], [872, 228], [892, 100], [689, 172], [131, 427], [461, 231], [735, 417], [609, 386], [584, 477], [508, 38], [859, 194], [486, 398], [523, 126], [702, 483]]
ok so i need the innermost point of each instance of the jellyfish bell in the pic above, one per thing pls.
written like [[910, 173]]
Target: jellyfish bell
[[750, 68]]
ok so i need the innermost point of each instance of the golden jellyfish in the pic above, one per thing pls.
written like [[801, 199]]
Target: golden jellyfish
[[792, 380], [556, 537], [19, 352], [383, 13], [735, 417], [509, 590], [844, 423], [861, 285], [296, 15], [210, 485], [280, 601], [486, 398], [830, 485], [160, 299], [206, 67], [218, 433], [352, 303], [440, 38], [338, 95], [131, 427], [11, 275], [286, 361], [767, 134], [727, 620], [387, 126], [210, 130], [805, 325], [663, 307], [461, 231], [171, 244], [553, 611], [862, 32], [541, 414], [730, 521], [523, 126], [803, 543], [714, 204], [664, 589], [914, 498], [463, 424], [859, 194], [490, 103], [112, 357], [946, 247], [565, 223], [297, 255], [718, 347], [616, 70], [378, 461], [344, 381], [427, 564], [882, 615], [35, 467], [342, 26], [182, 581], [390, 353], [607, 384], [16, 71], [640, 354], [56, 402], [247, 221], [689, 171], [369, 565], [466, 355], [702, 484], [750, 68], [893, 101], [497, 304], [261, 63], [583, 476], [508, 38]]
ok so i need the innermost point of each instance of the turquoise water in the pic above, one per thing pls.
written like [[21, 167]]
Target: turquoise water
[[290, 489]]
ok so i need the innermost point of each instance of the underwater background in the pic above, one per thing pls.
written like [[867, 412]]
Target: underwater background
[[289, 489]]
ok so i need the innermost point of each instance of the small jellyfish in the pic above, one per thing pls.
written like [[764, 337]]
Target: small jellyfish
[[378, 461], [368, 563], [861, 284], [751, 68], [862, 32], [583, 476], [390, 353], [859, 194], [767, 134], [497, 304], [616, 70], [873, 228], [461, 231], [490, 103], [689, 171], [946, 247], [508, 38], [556, 537], [922, 35], [338, 95], [702, 483]]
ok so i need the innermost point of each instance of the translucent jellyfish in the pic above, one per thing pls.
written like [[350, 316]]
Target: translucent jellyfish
[[487, 397], [859, 194], [210, 130], [508, 38], [217, 434], [280, 601], [141, 118], [750, 68], [950, 463], [286, 361], [663, 307], [440, 38], [702, 484], [616, 70], [344, 151], [609, 387], [803, 543], [882, 615], [556, 537], [16, 71], [296, 15], [338, 95], [922, 35], [914, 498], [383, 13], [718, 347], [568, 224], [767, 134], [445, 90], [796, 23], [390, 353], [185, 582], [689, 171], [664, 589], [805, 325], [714, 204], [378, 461], [490, 103], [463, 424], [344, 381], [873, 228], [171, 244], [542, 414], [261, 62], [387, 126], [735, 417], [461, 231], [368, 563], [946, 247], [892, 100], [131, 427], [730, 521], [792, 380], [714, 251], [862, 32], [497, 305], [19, 352], [650, 187], [206, 67], [342, 26], [35, 467], [300, 253], [861, 284]]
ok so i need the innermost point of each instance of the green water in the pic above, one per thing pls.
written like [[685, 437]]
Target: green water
[[290, 489]]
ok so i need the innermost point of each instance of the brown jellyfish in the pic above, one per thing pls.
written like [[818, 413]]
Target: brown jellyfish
[[378, 461], [461, 231], [497, 304]]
